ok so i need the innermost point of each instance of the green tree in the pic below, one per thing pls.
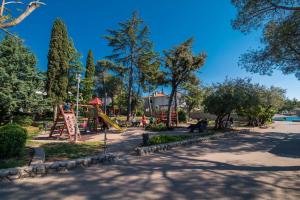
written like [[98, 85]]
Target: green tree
[[111, 85], [130, 42], [89, 79], [260, 103], [192, 95], [290, 105], [21, 85], [58, 62], [254, 101], [181, 64], [74, 67], [222, 101], [280, 21]]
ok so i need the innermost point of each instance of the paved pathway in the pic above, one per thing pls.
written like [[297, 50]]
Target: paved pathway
[[261, 165]]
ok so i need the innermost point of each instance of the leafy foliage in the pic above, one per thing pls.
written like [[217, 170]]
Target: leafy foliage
[[21, 85], [89, 79], [280, 20], [23, 120], [74, 67], [58, 62], [12, 140], [290, 105], [256, 102], [182, 116], [162, 139], [157, 127], [132, 55], [192, 94]]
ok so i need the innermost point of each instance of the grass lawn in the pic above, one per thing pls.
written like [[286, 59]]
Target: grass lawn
[[32, 132], [19, 161], [162, 139], [64, 151]]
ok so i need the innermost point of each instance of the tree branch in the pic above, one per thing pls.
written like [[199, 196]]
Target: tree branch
[[297, 8], [2, 8], [31, 7]]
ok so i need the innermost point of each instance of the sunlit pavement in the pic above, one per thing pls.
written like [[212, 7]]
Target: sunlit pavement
[[264, 164]]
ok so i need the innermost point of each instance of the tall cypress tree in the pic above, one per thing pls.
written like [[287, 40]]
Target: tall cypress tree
[[57, 74], [89, 79], [75, 67]]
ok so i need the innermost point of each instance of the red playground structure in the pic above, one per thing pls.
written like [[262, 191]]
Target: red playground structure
[[66, 121], [162, 116]]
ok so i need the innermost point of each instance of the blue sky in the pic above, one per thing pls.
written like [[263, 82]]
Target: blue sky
[[170, 22]]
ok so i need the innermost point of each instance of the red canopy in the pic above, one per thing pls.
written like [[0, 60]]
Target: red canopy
[[96, 101]]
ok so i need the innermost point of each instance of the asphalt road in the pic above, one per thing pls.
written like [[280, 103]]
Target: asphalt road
[[259, 165]]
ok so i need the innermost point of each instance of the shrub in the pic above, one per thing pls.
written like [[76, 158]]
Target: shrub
[[23, 120], [139, 113], [12, 140], [161, 139], [157, 127], [182, 116]]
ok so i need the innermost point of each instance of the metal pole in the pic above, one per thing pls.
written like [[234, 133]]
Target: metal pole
[[105, 102], [78, 76], [105, 142]]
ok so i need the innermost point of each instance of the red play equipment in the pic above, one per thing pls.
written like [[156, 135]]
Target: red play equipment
[[66, 120], [162, 116]]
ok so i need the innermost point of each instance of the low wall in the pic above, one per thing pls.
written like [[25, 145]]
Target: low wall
[[59, 166]]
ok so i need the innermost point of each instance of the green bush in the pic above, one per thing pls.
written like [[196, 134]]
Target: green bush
[[157, 127], [161, 139], [182, 116], [23, 120], [12, 140], [139, 113]]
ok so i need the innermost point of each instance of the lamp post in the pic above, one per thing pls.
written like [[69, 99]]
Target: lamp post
[[78, 77]]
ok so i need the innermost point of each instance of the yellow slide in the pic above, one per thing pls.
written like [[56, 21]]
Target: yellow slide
[[109, 121]]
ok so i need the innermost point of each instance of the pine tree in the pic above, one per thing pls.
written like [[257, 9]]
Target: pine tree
[[21, 85], [280, 42], [57, 74], [75, 67], [89, 79], [181, 65], [129, 43]]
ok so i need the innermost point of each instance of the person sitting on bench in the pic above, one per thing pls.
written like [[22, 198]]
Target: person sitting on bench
[[201, 125]]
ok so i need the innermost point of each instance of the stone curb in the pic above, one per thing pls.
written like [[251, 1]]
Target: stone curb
[[142, 151], [42, 169]]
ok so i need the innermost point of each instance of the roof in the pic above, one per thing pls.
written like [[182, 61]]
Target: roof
[[95, 101], [158, 94]]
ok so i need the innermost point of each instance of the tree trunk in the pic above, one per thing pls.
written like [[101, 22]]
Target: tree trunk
[[113, 104], [129, 98], [217, 122], [149, 103], [175, 106], [169, 119], [55, 112]]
